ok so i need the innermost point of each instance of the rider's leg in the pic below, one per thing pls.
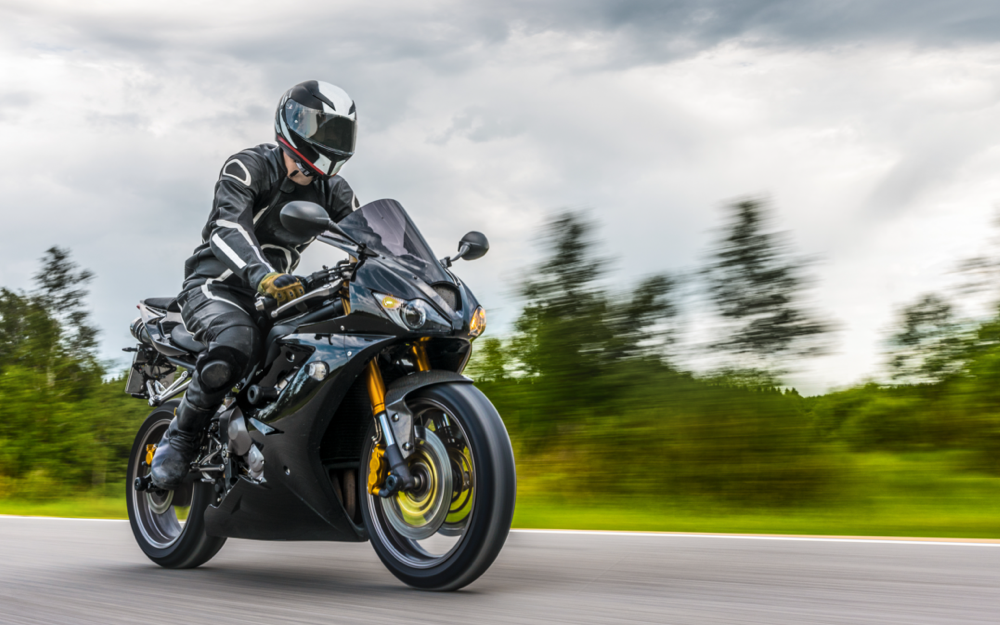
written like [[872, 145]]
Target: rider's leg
[[234, 344]]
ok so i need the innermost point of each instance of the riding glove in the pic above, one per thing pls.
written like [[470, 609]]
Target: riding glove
[[281, 286]]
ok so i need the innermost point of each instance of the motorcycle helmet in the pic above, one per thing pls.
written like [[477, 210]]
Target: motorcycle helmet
[[316, 125]]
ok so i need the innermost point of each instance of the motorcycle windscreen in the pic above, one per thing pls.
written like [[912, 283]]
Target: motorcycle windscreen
[[385, 228]]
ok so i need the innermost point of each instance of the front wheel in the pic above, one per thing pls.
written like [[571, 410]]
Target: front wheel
[[158, 517], [447, 532]]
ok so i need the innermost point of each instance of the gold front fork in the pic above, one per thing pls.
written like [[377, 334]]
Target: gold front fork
[[386, 460], [378, 464], [420, 351], [376, 387]]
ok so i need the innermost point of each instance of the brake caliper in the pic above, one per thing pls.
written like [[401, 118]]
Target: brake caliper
[[378, 470], [150, 452]]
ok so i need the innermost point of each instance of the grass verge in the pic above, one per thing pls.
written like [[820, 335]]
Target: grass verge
[[535, 512], [918, 495], [82, 507]]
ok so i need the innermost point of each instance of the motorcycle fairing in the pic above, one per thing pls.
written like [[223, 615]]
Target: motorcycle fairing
[[297, 501]]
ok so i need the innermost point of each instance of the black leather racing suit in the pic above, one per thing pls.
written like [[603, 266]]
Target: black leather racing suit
[[242, 242]]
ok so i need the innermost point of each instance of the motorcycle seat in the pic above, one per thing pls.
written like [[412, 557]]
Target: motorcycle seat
[[185, 340], [168, 304]]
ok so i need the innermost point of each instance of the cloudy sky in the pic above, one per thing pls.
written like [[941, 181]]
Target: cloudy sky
[[873, 127]]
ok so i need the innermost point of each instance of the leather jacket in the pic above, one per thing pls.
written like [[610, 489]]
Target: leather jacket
[[244, 240]]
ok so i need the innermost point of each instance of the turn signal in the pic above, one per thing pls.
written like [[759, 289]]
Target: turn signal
[[390, 303], [478, 324]]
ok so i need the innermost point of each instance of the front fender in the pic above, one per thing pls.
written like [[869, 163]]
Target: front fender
[[395, 401]]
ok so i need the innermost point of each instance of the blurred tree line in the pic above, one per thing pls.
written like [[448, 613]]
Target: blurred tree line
[[590, 387], [590, 382], [62, 428]]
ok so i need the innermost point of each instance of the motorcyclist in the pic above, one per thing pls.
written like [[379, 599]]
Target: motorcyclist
[[246, 251]]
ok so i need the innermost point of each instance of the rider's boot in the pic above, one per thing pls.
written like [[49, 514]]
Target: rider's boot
[[213, 377], [179, 446]]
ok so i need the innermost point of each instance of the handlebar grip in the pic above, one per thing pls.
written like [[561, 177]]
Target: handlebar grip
[[266, 303]]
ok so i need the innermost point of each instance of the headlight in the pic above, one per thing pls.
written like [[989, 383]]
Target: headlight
[[478, 323], [413, 315]]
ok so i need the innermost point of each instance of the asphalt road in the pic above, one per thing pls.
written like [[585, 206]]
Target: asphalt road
[[77, 571]]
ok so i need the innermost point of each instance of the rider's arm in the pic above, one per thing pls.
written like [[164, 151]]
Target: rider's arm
[[232, 237]]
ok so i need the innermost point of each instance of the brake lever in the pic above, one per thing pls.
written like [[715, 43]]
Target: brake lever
[[324, 292]]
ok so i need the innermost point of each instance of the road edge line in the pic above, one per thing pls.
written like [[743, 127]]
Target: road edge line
[[973, 542]]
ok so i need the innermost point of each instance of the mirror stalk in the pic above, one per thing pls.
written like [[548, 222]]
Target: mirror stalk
[[462, 251]]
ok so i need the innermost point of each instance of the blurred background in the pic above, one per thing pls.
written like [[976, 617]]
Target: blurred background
[[744, 269]]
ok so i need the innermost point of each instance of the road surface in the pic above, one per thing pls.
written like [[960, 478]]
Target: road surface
[[78, 571]]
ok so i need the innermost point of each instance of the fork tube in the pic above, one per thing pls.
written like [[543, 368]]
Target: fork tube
[[376, 387], [420, 351], [376, 392]]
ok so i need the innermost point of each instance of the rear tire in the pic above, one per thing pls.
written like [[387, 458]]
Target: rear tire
[[153, 517], [475, 530]]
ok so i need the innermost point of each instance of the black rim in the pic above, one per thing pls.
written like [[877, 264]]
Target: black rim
[[158, 514], [415, 528]]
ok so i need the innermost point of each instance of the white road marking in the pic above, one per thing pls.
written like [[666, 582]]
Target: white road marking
[[818, 539]]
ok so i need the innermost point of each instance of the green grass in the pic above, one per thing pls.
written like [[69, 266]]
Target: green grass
[[917, 494], [82, 507], [920, 495], [637, 515]]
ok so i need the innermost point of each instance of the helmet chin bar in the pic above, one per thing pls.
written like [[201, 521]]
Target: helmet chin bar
[[305, 167]]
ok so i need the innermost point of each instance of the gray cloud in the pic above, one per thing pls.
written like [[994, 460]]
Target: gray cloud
[[488, 117], [455, 34]]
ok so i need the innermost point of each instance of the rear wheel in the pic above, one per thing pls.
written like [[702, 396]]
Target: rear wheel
[[448, 531], [168, 525]]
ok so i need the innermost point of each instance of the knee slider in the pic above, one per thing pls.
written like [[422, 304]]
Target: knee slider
[[220, 367], [227, 358], [216, 375]]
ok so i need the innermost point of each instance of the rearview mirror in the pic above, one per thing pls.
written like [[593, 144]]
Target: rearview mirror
[[472, 246], [476, 245], [305, 219], [308, 219]]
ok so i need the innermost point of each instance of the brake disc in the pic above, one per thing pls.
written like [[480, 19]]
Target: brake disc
[[419, 514], [462, 478]]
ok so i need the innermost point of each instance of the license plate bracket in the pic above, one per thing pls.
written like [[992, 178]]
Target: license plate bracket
[[143, 369]]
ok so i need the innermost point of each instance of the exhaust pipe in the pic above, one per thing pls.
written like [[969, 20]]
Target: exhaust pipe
[[139, 332]]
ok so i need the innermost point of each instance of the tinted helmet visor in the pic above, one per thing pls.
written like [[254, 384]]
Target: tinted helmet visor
[[332, 131]]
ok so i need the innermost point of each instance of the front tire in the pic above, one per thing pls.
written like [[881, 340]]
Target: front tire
[[154, 515], [464, 441]]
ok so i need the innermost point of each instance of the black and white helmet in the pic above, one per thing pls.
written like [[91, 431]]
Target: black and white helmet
[[316, 125]]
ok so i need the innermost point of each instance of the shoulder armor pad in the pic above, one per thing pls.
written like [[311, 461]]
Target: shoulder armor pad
[[234, 168]]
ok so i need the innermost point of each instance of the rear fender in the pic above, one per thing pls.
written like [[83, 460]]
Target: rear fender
[[153, 320]]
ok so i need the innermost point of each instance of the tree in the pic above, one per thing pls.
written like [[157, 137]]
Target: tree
[[572, 333], [929, 345], [756, 285], [62, 289]]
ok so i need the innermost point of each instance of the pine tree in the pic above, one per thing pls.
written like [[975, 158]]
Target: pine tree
[[756, 285]]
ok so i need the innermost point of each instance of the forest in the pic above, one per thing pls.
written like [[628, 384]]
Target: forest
[[611, 428]]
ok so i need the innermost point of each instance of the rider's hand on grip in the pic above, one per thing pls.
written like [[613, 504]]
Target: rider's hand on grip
[[282, 287], [265, 303]]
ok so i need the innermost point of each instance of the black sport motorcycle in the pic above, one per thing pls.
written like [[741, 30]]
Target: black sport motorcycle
[[356, 425]]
